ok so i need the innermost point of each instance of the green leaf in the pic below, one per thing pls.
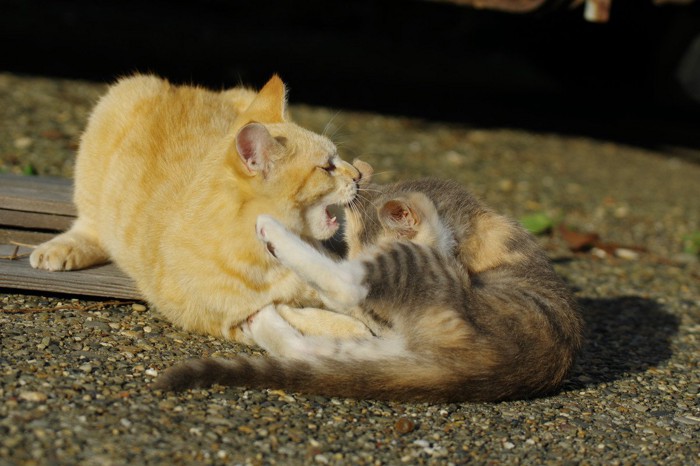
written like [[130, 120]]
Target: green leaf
[[691, 243], [29, 170], [537, 223]]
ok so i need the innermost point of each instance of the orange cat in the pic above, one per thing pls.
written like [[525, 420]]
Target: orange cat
[[169, 181]]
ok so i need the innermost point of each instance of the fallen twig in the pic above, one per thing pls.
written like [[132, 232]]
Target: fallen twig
[[24, 245], [14, 255]]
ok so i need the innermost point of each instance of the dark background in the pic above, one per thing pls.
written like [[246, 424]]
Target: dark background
[[545, 71]]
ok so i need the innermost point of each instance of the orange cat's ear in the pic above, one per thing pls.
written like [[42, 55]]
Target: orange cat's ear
[[270, 105], [255, 145], [397, 216]]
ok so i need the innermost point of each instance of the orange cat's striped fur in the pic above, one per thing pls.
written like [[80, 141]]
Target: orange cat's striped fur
[[168, 183]]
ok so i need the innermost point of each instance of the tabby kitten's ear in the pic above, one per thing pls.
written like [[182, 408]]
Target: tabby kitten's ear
[[399, 217], [365, 170], [270, 105], [256, 146]]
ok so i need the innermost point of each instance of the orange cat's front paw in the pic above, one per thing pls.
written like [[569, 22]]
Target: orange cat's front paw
[[67, 252], [53, 257]]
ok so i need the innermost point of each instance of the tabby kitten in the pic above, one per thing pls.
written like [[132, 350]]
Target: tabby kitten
[[464, 303], [168, 183]]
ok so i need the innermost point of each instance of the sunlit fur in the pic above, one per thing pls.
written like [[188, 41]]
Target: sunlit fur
[[464, 304], [169, 181]]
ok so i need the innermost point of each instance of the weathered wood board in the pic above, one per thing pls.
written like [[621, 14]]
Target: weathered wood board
[[105, 280], [33, 210], [37, 194]]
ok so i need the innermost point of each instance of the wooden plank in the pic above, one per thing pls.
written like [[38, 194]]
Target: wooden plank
[[46, 204], [9, 236], [104, 280], [34, 220], [37, 194]]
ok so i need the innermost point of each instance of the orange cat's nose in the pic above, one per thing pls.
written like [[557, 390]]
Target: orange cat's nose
[[358, 176]]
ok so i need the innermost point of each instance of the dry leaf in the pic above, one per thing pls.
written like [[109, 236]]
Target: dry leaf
[[578, 241]]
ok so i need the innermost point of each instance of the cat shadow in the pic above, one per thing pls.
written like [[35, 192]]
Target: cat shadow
[[624, 335]]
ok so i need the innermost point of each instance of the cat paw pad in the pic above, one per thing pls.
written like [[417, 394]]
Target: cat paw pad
[[53, 257]]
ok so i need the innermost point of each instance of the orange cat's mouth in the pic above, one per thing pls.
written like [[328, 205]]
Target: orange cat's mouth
[[331, 220], [320, 222]]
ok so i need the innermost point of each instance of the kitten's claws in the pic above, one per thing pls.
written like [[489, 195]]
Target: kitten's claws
[[262, 236], [260, 224], [264, 224]]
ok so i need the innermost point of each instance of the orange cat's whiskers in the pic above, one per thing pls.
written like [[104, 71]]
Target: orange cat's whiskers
[[356, 208], [369, 190], [360, 209], [328, 125], [385, 172]]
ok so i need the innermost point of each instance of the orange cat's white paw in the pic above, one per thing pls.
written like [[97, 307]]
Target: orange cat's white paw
[[67, 252]]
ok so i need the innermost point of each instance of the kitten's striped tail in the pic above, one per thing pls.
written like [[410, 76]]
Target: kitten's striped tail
[[403, 379]]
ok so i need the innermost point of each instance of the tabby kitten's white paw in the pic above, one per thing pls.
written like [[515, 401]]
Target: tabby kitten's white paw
[[272, 333], [268, 229], [285, 246]]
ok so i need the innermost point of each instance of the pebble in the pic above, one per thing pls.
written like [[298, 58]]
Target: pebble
[[36, 397], [97, 325], [23, 142], [690, 420], [404, 425], [625, 253], [138, 307]]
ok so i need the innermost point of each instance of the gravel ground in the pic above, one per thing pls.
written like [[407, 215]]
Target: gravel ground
[[75, 374]]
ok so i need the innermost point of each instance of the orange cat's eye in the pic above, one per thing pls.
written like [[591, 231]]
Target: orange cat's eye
[[330, 167]]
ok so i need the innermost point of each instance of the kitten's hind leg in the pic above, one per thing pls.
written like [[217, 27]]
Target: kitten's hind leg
[[321, 322], [75, 249], [280, 339], [274, 334], [339, 283]]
